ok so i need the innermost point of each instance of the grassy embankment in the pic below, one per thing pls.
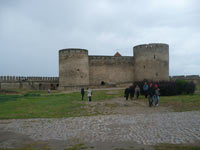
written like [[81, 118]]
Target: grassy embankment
[[39, 104]]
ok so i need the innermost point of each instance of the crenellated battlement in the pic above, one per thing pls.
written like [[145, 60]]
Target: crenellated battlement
[[30, 78], [28, 83], [99, 57], [73, 51], [110, 59], [151, 45]]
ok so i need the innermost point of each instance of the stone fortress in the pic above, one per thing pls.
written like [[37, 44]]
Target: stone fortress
[[78, 69]]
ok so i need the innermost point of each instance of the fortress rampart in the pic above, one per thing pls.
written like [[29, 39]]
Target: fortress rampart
[[22, 78], [77, 68], [44, 83], [95, 59], [28, 83], [110, 69]]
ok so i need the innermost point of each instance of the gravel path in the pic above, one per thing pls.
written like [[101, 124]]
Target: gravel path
[[147, 129]]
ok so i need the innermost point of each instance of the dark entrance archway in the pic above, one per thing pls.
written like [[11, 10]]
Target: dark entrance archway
[[102, 83]]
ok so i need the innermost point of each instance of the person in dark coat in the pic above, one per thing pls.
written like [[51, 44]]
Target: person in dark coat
[[126, 93], [150, 94], [132, 92], [82, 93], [145, 89]]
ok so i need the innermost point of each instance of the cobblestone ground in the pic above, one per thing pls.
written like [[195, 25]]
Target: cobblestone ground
[[147, 129]]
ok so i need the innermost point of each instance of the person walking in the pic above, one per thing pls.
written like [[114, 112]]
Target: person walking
[[89, 95], [150, 94], [137, 91], [156, 95], [49, 91], [132, 92], [126, 93], [82, 93], [145, 89]]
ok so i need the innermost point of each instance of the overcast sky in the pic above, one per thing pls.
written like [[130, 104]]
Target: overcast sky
[[32, 31]]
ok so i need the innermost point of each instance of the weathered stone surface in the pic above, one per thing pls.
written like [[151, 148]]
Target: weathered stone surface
[[73, 68], [110, 69], [150, 61]]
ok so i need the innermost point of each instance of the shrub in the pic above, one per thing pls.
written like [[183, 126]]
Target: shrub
[[181, 85], [169, 88], [190, 88]]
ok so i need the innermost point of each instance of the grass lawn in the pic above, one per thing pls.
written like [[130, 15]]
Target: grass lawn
[[198, 88], [39, 104], [181, 102]]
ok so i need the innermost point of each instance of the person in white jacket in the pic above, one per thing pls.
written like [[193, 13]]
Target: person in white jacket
[[89, 95]]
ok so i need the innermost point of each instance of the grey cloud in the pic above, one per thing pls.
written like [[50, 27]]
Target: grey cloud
[[32, 32]]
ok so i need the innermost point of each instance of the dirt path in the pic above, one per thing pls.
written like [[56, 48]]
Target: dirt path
[[121, 106]]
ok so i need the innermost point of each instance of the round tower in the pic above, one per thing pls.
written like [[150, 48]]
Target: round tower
[[73, 68], [151, 62]]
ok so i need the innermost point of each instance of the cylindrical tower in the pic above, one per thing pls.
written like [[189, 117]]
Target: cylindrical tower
[[73, 68], [151, 62]]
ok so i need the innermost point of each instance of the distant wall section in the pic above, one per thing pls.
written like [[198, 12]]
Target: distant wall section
[[28, 83], [110, 69], [194, 78]]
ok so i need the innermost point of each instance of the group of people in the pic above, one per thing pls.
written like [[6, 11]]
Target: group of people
[[89, 91], [132, 91], [151, 92]]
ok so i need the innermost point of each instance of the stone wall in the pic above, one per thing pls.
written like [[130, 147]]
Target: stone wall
[[194, 78], [76, 68], [110, 70], [28, 83]]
